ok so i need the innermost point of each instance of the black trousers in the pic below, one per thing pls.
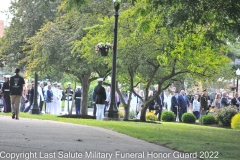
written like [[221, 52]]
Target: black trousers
[[159, 112], [94, 109], [41, 105]]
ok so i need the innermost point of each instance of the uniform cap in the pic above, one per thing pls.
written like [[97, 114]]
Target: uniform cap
[[79, 87], [100, 79]]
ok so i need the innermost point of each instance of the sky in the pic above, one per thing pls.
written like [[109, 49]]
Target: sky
[[4, 4]]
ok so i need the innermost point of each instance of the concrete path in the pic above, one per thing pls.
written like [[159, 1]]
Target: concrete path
[[29, 139]]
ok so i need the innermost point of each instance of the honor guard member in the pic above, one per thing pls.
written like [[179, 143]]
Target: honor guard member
[[77, 98], [16, 87], [99, 97], [68, 100], [6, 94]]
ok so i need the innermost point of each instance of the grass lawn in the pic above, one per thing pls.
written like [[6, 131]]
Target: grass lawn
[[221, 142]]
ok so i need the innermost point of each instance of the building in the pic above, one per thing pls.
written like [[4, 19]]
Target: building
[[1, 28]]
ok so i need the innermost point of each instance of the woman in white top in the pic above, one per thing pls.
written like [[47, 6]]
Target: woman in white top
[[196, 106]]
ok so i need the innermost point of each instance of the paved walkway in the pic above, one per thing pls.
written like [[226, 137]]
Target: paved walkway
[[29, 139]]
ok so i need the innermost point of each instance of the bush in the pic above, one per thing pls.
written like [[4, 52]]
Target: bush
[[121, 114], [132, 114], [208, 119], [188, 118], [150, 116], [224, 115], [236, 121], [168, 116]]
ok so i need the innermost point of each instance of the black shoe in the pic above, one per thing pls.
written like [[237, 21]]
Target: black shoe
[[13, 115], [17, 118]]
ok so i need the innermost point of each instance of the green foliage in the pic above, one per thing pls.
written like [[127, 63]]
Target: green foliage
[[188, 118], [121, 114], [150, 116], [235, 122], [132, 114], [224, 115], [168, 116], [208, 119]]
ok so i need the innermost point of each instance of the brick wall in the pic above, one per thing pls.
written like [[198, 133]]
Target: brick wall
[[1, 27]]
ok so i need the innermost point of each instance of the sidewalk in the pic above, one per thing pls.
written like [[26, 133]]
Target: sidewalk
[[40, 139]]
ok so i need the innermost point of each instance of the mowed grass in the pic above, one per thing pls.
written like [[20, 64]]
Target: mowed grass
[[224, 143]]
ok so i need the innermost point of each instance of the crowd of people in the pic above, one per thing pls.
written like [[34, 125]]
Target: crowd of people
[[50, 97]]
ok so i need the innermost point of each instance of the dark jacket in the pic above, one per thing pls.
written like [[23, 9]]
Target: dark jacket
[[77, 97], [183, 103], [99, 94], [6, 89], [234, 102], [174, 102], [224, 102], [204, 102]]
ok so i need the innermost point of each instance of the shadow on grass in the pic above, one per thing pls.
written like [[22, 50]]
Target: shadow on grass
[[77, 116]]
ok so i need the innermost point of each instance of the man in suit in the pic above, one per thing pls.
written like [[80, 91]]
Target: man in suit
[[235, 101], [99, 97], [203, 104], [183, 104], [159, 105], [174, 104], [224, 100]]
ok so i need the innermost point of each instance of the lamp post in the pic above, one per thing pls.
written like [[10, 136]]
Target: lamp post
[[237, 73], [112, 112], [35, 108]]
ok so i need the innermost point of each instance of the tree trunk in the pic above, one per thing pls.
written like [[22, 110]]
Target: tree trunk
[[126, 110], [143, 113], [85, 87]]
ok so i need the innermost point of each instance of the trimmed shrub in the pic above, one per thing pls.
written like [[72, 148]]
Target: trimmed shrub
[[150, 116], [188, 118], [235, 124], [168, 116], [121, 115], [224, 115], [208, 119]]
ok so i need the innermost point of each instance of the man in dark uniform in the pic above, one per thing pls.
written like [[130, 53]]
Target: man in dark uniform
[[16, 87], [99, 98], [77, 98], [68, 100], [6, 95], [203, 104]]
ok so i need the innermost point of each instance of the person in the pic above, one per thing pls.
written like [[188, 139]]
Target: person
[[77, 98], [175, 105], [204, 104], [59, 99], [99, 98], [31, 97], [151, 105], [224, 100], [48, 99], [54, 108], [235, 101], [16, 87], [108, 99], [183, 104], [6, 95], [196, 106], [41, 96], [159, 103], [68, 100], [24, 100], [134, 102], [217, 101], [140, 104]]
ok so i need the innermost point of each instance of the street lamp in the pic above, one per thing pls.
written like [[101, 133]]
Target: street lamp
[[35, 108], [237, 73], [112, 112]]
